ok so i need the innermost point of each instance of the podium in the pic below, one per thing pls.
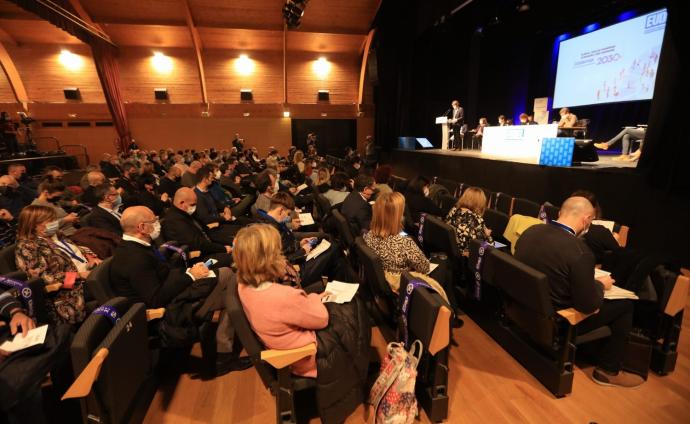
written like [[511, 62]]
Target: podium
[[443, 121]]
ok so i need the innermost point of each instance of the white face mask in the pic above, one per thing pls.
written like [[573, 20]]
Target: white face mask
[[426, 191], [218, 175], [52, 228], [156, 230], [191, 210]]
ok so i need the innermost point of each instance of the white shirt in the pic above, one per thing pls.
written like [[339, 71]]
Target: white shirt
[[127, 237]]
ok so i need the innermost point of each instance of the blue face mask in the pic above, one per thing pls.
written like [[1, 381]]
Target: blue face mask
[[117, 202]]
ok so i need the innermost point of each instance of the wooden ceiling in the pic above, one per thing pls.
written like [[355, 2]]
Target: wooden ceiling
[[328, 26]]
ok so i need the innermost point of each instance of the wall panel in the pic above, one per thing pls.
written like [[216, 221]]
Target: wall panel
[[342, 81], [224, 82]]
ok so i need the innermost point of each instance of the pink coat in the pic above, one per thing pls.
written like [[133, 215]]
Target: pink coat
[[285, 318]]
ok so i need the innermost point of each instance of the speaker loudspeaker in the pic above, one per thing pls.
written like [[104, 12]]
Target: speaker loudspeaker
[[72, 93], [160, 93], [323, 96]]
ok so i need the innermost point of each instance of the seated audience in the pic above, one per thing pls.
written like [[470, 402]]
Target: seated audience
[[266, 186], [50, 194], [356, 207], [323, 180], [557, 250], [189, 295], [285, 317], [189, 176], [382, 175], [106, 215], [94, 179], [353, 169], [418, 201], [43, 252], [148, 195], [181, 226], [110, 166], [170, 183], [11, 197], [8, 228], [296, 246], [466, 217], [208, 211], [26, 188], [339, 188], [127, 183]]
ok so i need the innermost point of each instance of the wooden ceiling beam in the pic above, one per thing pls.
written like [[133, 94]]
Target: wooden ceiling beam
[[6, 37], [14, 79], [196, 41], [84, 15], [363, 68]]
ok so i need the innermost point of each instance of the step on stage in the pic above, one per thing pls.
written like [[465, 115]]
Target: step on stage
[[608, 179]]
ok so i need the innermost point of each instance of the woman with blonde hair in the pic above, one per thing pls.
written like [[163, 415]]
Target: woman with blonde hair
[[466, 217], [44, 252], [284, 317]]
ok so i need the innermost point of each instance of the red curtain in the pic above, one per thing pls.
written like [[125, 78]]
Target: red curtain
[[104, 56]]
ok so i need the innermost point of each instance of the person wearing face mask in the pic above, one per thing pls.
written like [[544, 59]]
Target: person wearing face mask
[[170, 183], [557, 250], [126, 184], [27, 187], [148, 195], [356, 207], [217, 218], [106, 215], [338, 190], [11, 198], [50, 194], [140, 273], [297, 246], [418, 201], [43, 252], [180, 225], [354, 168]]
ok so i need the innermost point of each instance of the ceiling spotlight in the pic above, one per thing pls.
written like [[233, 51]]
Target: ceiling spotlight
[[293, 10]]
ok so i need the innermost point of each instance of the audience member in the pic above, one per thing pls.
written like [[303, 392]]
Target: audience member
[[339, 189], [189, 177], [356, 207], [106, 215], [466, 218], [418, 201], [382, 175], [50, 194], [94, 179]]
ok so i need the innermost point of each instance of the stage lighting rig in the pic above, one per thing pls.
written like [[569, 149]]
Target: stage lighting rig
[[293, 10]]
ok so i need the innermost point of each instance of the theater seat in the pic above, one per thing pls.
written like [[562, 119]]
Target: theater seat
[[345, 235], [7, 259], [384, 302], [526, 207], [112, 366], [272, 365], [98, 282]]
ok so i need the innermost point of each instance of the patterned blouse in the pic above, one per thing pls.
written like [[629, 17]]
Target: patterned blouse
[[39, 257], [398, 253], [468, 226]]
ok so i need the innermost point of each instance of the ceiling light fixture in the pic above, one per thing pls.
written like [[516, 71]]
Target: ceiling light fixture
[[244, 65], [322, 67], [70, 60], [161, 63]]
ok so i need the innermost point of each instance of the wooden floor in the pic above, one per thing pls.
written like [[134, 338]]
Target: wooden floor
[[487, 386]]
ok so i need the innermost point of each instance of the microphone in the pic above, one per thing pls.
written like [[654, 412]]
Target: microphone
[[447, 112]]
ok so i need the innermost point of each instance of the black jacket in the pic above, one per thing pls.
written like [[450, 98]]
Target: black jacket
[[342, 361], [100, 218], [88, 197], [568, 264], [357, 211], [169, 186], [138, 274], [182, 227], [291, 246]]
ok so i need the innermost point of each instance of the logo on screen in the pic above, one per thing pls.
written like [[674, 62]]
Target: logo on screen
[[655, 20]]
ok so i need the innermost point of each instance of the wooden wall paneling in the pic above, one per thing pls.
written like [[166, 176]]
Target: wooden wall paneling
[[45, 77], [97, 140], [335, 16], [303, 83], [324, 43], [139, 78], [158, 12], [224, 82], [196, 41], [6, 94], [10, 78], [163, 36], [240, 39], [33, 31], [255, 14], [63, 111], [365, 127]]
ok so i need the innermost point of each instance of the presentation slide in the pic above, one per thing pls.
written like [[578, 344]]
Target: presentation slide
[[613, 64]]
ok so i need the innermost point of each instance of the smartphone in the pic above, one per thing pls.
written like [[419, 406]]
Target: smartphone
[[314, 242], [210, 262]]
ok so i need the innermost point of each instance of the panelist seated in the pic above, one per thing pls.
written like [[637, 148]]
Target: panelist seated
[[524, 120], [568, 119], [626, 136], [502, 122]]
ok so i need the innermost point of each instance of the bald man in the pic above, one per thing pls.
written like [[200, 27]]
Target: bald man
[[557, 250], [140, 273], [180, 225]]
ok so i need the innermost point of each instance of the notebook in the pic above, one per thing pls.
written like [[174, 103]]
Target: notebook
[[340, 292]]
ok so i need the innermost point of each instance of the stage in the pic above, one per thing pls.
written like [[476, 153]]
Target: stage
[[36, 164]]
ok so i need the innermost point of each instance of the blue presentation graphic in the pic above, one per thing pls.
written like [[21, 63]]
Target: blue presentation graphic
[[614, 64]]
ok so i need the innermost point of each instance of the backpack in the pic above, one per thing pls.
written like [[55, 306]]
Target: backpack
[[393, 393]]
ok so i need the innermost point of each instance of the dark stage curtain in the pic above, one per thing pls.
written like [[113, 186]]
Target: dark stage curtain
[[666, 148]]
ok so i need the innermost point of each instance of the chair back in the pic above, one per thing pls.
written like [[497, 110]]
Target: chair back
[[423, 311], [503, 203], [439, 237], [244, 332], [115, 392], [343, 228], [98, 283], [7, 260], [526, 207], [551, 211], [497, 221], [374, 279]]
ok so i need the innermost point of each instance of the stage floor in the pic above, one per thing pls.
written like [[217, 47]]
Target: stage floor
[[605, 160]]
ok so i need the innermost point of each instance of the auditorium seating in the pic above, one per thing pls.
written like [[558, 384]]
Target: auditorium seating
[[503, 203], [384, 306], [525, 207], [345, 236], [497, 221], [39, 290], [101, 350], [7, 260]]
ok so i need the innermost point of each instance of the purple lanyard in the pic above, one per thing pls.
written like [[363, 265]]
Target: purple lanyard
[[405, 309], [420, 234], [23, 289], [542, 213], [478, 269], [108, 312], [176, 249]]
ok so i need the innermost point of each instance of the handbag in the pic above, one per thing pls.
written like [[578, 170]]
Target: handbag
[[393, 393]]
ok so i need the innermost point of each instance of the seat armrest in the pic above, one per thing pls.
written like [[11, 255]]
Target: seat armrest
[[441, 336], [281, 358], [574, 316], [84, 381], [679, 296], [152, 314], [212, 225]]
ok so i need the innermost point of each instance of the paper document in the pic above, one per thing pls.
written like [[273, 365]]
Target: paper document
[[301, 187], [615, 293], [340, 292], [498, 245], [322, 247], [608, 224], [432, 267], [34, 337], [306, 219], [600, 273]]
